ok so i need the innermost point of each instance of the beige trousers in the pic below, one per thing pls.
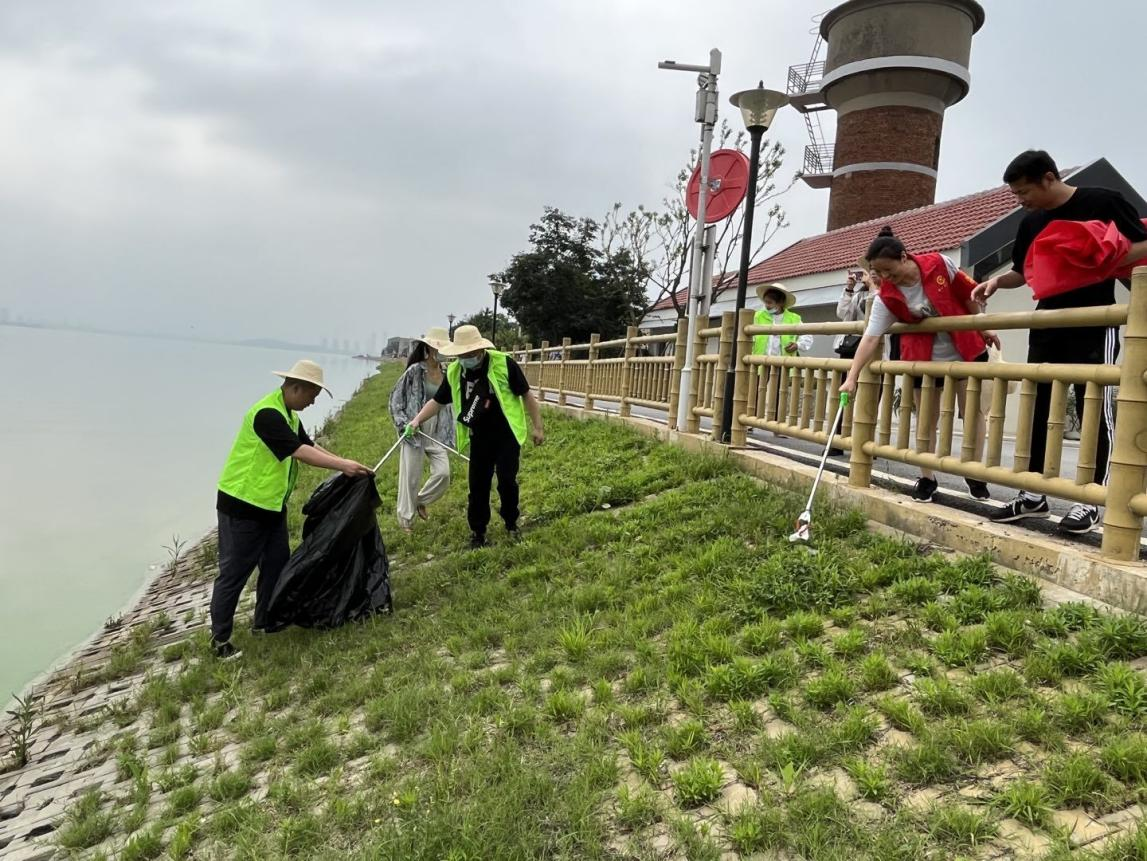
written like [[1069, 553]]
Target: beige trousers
[[410, 477]]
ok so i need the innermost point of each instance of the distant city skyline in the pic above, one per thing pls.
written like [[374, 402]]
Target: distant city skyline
[[333, 345]]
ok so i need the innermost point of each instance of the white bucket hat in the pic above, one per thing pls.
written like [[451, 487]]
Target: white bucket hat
[[467, 339], [790, 299], [306, 371], [436, 337]]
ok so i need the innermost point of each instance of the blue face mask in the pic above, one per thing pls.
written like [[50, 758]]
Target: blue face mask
[[471, 362]]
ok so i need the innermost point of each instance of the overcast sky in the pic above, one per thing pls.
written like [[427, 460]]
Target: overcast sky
[[302, 169]]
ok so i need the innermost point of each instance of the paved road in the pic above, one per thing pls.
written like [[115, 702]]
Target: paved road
[[893, 475]]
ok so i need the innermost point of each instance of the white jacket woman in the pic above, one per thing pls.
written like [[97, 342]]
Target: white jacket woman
[[417, 385]]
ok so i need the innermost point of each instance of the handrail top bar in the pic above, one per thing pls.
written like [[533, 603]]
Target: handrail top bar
[[838, 328], [654, 339], [1011, 371], [1099, 316], [711, 332]]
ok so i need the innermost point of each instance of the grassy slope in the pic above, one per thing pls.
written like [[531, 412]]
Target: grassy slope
[[588, 692]]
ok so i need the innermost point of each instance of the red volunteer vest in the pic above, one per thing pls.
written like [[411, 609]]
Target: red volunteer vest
[[949, 297]]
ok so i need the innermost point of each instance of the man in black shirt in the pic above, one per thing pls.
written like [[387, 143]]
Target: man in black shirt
[[252, 499], [1034, 178], [492, 399]]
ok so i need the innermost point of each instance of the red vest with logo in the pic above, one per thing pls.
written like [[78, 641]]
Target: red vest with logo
[[949, 296]]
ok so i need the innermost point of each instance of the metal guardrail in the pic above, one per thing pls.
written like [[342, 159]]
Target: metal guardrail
[[804, 78], [818, 158]]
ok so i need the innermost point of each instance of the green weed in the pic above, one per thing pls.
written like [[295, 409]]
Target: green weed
[[1025, 800], [699, 782]]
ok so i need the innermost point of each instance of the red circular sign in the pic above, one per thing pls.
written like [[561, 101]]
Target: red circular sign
[[728, 182]]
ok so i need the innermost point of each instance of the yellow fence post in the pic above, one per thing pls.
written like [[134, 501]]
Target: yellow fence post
[[742, 378], [542, 366], [627, 371], [562, 371], [724, 356], [1121, 528], [526, 365], [587, 404], [863, 426], [678, 366]]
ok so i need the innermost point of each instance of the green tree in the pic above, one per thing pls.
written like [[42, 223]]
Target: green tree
[[567, 285]]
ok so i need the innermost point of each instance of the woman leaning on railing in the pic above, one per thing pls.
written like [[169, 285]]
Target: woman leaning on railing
[[911, 288]]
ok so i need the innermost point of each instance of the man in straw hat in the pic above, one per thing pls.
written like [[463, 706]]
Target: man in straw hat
[[491, 399], [257, 479]]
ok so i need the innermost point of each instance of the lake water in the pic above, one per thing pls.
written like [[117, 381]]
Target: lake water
[[109, 445]]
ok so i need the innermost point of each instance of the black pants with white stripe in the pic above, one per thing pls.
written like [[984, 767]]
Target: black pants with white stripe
[[1076, 347]]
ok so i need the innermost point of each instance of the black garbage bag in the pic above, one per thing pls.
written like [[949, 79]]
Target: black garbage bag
[[339, 573]]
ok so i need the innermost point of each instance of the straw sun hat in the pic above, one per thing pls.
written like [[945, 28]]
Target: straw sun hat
[[790, 299], [305, 371], [436, 337], [467, 339]]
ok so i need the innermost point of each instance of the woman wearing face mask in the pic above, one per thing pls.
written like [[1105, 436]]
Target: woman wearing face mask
[[777, 311], [911, 288], [417, 385]]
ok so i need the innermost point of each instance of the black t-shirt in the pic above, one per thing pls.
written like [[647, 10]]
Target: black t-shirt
[[1086, 204], [272, 428], [476, 384]]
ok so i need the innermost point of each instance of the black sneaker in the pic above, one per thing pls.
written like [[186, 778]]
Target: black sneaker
[[836, 452], [226, 652], [1019, 509], [925, 489], [978, 489], [514, 534], [477, 540], [1081, 518]]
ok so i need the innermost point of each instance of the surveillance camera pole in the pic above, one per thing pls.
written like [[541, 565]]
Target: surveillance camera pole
[[706, 115]]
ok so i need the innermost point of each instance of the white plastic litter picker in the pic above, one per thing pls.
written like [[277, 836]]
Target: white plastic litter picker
[[804, 522]]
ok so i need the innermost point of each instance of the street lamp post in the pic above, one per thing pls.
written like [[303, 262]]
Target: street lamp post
[[450, 320], [497, 288], [705, 113], [758, 107]]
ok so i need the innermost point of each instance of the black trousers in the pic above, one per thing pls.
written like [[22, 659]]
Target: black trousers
[[1076, 347], [244, 544], [491, 454]]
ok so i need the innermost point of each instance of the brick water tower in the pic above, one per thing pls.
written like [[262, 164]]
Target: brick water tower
[[891, 69]]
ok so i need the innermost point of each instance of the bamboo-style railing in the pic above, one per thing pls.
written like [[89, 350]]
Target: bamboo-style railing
[[796, 396]]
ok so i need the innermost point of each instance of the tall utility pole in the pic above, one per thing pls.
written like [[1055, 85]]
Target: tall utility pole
[[706, 115]]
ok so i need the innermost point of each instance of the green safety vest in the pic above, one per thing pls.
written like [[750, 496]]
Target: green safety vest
[[498, 374], [761, 342], [252, 473], [764, 318]]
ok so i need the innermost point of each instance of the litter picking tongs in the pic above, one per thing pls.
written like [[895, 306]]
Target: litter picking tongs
[[398, 442], [804, 522], [443, 445], [386, 456]]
